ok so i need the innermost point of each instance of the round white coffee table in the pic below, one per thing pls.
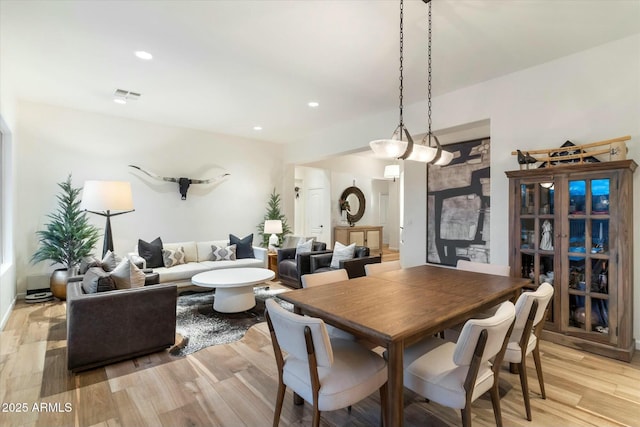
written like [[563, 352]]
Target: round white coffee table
[[234, 287]]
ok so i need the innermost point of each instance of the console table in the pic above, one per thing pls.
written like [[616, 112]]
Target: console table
[[361, 235]]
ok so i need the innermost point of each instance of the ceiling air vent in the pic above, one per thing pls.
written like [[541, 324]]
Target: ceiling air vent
[[121, 96]]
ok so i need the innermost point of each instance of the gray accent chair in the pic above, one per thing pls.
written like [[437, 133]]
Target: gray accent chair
[[355, 266], [291, 267], [109, 327]]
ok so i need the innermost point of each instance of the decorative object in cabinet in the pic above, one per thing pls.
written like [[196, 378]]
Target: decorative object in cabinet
[[571, 226]]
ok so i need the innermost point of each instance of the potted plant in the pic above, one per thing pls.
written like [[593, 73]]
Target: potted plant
[[66, 239]]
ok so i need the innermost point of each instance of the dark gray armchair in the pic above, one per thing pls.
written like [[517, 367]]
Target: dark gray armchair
[[292, 267], [108, 327], [354, 266]]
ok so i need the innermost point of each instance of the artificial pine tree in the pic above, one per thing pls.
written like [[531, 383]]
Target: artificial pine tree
[[68, 237], [273, 212]]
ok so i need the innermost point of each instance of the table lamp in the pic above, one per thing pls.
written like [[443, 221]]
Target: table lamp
[[105, 197], [273, 227]]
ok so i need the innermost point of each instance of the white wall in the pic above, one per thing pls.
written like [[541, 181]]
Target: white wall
[[7, 215], [365, 171], [57, 141], [7, 218], [586, 97]]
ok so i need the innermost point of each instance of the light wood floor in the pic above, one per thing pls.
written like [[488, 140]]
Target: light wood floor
[[235, 384], [389, 254]]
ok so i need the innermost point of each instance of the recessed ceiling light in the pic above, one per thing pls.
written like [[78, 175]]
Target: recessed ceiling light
[[313, 104], [257, 128], [143, 55], [119, 100]]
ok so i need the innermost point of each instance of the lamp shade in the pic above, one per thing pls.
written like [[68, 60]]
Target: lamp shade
[[392, 171], [445, 158], [422, 153], [388, 148], [272, 226], [107, 196]]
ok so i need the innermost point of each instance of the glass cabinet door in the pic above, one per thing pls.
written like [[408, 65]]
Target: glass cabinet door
[[537, 238], [588, 256]]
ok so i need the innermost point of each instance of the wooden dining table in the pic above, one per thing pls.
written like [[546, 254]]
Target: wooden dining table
[[398, 308]]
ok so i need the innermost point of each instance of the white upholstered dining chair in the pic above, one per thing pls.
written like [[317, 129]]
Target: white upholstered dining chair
[[531, 308], [318, 279], [324, 278], [480, 267], [381, 267], [456, 374], [328, 373]]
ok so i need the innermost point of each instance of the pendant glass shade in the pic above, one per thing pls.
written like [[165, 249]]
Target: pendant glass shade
[[394, 147], [388, 148], [445, 158], [422, 153]]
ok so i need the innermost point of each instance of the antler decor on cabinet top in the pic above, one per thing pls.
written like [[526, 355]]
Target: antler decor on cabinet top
[[183, 183], [601, 151]]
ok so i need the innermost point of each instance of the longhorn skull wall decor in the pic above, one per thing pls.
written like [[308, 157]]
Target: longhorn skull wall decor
[[183, 183]]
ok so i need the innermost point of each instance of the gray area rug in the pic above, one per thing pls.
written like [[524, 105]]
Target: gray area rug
[[201, 326]]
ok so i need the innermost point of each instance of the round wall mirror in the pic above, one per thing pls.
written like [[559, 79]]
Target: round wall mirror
[[355, 198]]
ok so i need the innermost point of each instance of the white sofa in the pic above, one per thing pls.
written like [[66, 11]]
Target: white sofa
[[199, 258]]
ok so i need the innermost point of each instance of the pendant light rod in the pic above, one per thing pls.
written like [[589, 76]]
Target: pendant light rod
[[401, 126], [429, 133]]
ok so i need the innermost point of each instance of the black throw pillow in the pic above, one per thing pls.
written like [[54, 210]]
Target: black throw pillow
[[244, 247], [106, 283], [151, 252]]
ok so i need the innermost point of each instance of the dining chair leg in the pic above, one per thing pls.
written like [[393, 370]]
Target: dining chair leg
[[522, 370], [495, 401], [316, 415], [537, 361], [279, 401], [383, 404], [466, 416]]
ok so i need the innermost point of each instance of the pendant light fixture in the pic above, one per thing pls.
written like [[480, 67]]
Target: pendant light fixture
[[396, 147]]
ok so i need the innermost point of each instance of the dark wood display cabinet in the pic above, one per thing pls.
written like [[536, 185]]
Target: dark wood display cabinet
[[572, 226]]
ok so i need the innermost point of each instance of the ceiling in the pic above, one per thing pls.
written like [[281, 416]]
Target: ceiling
[[227, 66]]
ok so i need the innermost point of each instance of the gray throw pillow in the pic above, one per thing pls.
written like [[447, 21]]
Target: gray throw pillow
[[109, 261], [87, 262], [342, 253], [171, 257], [127, 275], [303, 247], [224, 254], [97, 280]]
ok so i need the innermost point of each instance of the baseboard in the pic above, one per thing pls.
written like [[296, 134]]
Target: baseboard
[[5, 316]]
